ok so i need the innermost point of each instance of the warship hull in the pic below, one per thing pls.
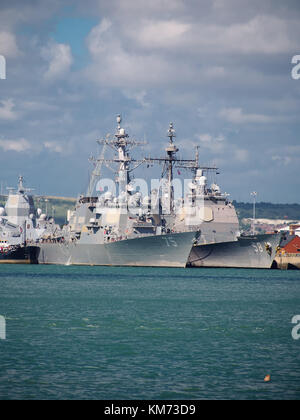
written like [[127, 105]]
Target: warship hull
[[22, 255], [247, 252], [154, 251]]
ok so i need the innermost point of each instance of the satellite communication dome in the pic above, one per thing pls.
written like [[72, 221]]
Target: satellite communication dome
[[2, 211], [203, 180]]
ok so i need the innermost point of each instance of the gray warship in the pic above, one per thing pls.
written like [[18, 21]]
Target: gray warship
[[206, 209], [121, 227], [21, 227], [220, 243], [197, 229], [199, 207], [257, 251]]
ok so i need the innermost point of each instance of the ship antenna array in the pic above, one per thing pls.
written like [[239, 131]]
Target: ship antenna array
[[170, 161], [120, 143], [21, 189]]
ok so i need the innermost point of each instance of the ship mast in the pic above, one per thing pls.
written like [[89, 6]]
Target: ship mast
[[121, 144], [170, 160], [171, 153]]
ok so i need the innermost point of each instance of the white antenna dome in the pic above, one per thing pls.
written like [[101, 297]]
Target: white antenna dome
[[203, 181]]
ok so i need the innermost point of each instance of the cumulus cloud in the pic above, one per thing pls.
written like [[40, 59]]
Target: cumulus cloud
[[8, 45], [286, 155], [115, 65], [282, 160], [188, 49], [7, 111], [53, 147], [159, 34], [220, 145], [217, 68], [59, 57], [21, 145], [216, 144], [238, 116], [261, 34]]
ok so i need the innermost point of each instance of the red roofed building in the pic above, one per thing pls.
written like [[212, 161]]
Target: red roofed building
[[293, 247]]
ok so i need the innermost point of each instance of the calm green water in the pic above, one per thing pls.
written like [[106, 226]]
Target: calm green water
[[132, 333]]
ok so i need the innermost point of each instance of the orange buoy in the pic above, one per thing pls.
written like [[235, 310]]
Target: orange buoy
[[267, 378]]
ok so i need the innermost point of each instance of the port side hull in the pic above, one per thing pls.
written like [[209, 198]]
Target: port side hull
[[23, 255], [153, 251], [248, 252]]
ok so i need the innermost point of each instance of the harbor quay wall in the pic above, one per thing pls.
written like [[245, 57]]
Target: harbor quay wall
[[288, 261]]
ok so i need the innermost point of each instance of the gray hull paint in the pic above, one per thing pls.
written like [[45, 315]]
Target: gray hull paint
[[155, 251], [247, 252]]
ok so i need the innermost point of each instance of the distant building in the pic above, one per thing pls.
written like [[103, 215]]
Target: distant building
[[295, 230]]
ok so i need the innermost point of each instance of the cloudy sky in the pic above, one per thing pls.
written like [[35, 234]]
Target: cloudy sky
[[219, 69]]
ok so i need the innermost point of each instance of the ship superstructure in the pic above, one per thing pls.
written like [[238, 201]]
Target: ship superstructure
[[204, 208], [118, 227], [198, 206], [122, 227], [22, 226]]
